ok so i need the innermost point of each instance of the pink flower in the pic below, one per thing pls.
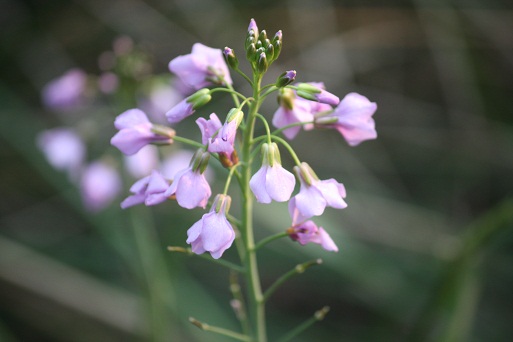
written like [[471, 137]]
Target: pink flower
[[99, 185], [203, 67], [213, 233], [63, 149], [190, 185], [149, 190], [272, 181], [315, 195], [353, 119], [136, 131], [307, 232], [67, 91]]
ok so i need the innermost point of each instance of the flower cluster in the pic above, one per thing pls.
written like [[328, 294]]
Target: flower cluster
[[306, 104], [76, 95]]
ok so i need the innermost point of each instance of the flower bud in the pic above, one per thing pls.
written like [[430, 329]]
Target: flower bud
[[230, 58], [253, 28], [262, 63], [277, 44], [269, 52], [286, 78], [262, 36], [251, 52]]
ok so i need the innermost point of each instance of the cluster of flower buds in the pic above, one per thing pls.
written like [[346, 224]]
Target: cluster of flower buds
[[261, 51]]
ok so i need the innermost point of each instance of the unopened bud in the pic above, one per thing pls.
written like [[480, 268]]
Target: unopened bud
[[230, 58], [253, 27], [251, 52], [262, 36], [262, 63], [269, 52], [286, 78]]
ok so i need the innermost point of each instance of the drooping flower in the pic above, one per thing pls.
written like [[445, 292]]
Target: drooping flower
[[136, 131], [99, 185], [314, 195], [203, 67], [272, 181], [308, 231], [149, 190], [315, 92], [213, 233], [188, 106], [190, 185], [352, 118], [63, 149], [67, 91]]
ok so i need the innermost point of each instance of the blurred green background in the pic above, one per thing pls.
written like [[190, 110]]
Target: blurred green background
[[426, 243]]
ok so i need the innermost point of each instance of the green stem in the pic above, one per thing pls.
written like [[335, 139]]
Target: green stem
[[221, 262], [240, 306], [268, 239], [296, 270], [188, 141], [218, 330], [318, 316], [256, 302], [289, 148], [266, 125]]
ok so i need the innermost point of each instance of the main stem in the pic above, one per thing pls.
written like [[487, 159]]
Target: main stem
[[256, 298]]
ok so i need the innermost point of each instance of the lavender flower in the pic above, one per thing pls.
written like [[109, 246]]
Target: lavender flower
[[63, 149], [213, 233], [308, 231], [224, 140], [352, 118], [315, 92], [190, 185], [294, 110], [291, 111], [188, 106], [136, 131], [149, 190], [272, 181], [315, 195], [143, 162], [99, 185], [203, 67], [65, 92], [208, 127]]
